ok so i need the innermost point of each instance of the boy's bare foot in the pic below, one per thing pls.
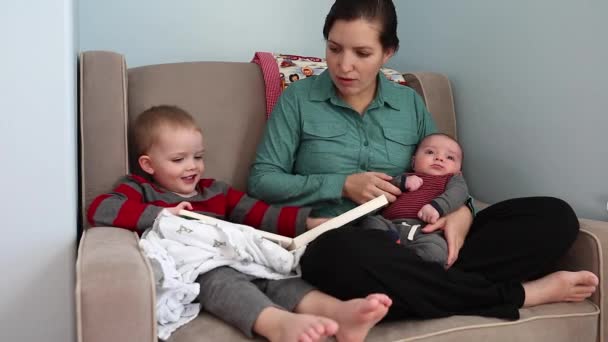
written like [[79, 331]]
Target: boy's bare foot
[[357, 316], [560, 286], [279, 326]]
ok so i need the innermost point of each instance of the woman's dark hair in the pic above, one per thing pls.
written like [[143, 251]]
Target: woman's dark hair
[[381, 10]]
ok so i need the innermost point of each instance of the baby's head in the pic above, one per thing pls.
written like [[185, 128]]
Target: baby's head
[[437, 154], [169, 146]]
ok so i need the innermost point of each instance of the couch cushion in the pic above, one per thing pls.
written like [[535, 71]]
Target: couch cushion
[[553, 322]]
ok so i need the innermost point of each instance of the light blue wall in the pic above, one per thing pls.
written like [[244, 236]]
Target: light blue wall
[[530, 81], [38, 174], [522, 71], [150, 32]]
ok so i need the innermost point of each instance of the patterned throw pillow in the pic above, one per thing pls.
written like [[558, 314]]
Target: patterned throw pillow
[[293, 68]]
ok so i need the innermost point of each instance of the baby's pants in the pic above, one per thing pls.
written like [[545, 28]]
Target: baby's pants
[[428, 246], [238, 298]]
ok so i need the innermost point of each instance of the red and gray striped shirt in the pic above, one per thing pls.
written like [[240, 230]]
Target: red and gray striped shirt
[[445, 193], [136, 202]]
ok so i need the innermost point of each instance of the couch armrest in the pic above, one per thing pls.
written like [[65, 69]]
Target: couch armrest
[[102, 124], [115, 296], [589, 252]]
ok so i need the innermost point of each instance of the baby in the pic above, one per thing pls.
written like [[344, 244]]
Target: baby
[[435, 189]]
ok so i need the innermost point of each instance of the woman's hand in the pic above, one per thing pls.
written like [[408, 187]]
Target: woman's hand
[[312, 222], [455, 228], [365, 186]]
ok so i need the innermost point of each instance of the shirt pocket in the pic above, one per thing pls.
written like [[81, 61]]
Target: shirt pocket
[[320, 137], [400, 145]]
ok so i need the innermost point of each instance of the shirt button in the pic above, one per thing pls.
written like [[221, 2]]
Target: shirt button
[[365, 143]]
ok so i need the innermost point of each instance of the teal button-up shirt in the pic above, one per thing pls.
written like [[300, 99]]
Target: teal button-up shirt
[[314, 140]]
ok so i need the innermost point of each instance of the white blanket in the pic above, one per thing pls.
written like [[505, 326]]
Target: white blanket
[[179, 250]]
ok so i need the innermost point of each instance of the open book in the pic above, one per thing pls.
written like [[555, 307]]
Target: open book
[[305, 238]]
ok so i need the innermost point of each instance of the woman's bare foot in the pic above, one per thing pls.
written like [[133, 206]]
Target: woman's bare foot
[[278, 326], [560, 286], [357, 316]]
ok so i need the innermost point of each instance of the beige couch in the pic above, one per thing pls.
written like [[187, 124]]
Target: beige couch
[[114, 289]]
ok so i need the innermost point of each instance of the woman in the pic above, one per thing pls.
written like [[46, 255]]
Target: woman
[[335, 140]]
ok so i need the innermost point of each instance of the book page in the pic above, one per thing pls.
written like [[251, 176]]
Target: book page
[[281, 240], [305, 238]]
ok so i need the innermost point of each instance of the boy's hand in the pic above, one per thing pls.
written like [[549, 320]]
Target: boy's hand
[[428, 214], [413, 183], [312, 222], [182, 205]]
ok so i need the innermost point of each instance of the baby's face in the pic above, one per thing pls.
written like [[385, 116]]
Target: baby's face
[[438, 155]]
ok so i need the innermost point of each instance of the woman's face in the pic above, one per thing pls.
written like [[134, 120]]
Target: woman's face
[[354, 56]]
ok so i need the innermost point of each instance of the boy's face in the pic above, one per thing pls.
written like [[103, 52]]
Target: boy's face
[[175, 161], [438, 155]]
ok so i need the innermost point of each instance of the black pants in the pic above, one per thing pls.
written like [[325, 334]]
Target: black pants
[[509, 242]]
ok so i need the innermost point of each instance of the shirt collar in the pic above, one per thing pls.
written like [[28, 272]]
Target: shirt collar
[[323, 89], [388, 93]]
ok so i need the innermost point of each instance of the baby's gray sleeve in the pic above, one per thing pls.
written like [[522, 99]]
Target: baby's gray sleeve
[[455, 196], [399, 181]]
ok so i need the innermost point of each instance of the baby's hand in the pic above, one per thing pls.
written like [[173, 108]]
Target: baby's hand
[[312, 222], [428, 214], [182, 205], [413, 183]]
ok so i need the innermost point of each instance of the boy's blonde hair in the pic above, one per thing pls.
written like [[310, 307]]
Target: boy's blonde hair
[[147, 127]]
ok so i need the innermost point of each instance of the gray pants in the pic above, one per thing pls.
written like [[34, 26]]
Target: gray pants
[[238, 299], [428, 246]]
